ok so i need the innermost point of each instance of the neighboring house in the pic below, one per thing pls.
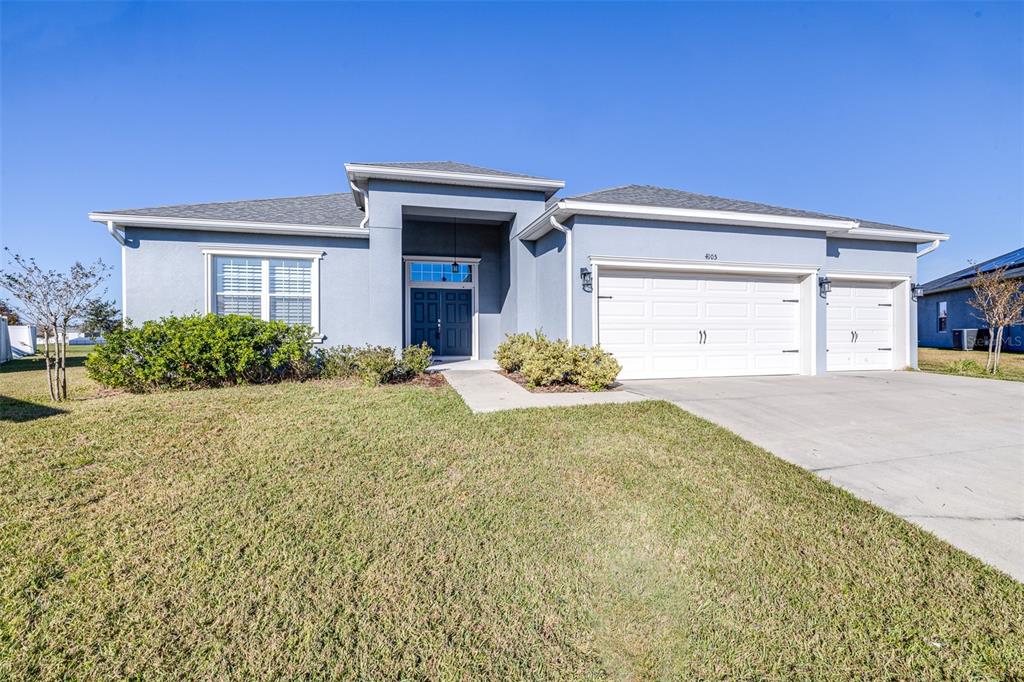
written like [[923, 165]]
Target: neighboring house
[[673, 283], [945, 307]]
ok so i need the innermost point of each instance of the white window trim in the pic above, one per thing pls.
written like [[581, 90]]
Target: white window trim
[[474, 273], [313, 256]]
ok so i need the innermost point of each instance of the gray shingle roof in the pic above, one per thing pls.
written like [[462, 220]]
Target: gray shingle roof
[[1013, 261], [319, 209], [650, 195], [451, 167]]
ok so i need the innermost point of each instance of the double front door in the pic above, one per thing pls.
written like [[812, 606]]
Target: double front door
[[444, 319]]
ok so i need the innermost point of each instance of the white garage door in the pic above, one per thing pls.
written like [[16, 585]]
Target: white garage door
[[661, 325], [860, 333]]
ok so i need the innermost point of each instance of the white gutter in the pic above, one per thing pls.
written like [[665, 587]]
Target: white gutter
[[567, 207], [366, 203], [112, 229], [568, 275], [928, 249], [229, 225]]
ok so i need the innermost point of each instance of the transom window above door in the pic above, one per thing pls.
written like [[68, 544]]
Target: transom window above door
[[266, 286], [432, 271]]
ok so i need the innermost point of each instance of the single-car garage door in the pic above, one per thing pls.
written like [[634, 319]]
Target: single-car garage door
[[860, 326], [662, 325]]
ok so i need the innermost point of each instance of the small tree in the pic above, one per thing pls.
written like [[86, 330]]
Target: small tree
[[8, 311], [100, 317], [53, 299], [999, 301]]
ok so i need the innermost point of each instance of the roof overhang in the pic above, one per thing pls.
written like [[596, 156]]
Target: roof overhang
[[360, 173], [294, 229], [566, 208]]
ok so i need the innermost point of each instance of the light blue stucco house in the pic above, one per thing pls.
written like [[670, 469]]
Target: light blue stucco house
[[945, 317], [673, 283]]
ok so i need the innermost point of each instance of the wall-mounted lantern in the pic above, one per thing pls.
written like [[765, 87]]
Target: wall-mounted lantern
[[824, 285], [916, 291], [587, 278]]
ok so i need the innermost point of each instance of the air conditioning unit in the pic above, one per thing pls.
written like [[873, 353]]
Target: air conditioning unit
[[970, 339]]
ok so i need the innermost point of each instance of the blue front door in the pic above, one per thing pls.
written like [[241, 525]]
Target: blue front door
[[443, 318]]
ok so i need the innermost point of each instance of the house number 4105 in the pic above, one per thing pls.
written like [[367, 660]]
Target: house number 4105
[[710, 256]]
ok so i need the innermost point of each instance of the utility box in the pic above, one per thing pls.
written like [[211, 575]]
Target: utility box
[[970, 339]]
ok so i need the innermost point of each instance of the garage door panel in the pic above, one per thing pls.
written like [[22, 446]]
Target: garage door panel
[[674, 337], [747, 324], [689, 310], [784, 311], [620, 309], [670, 283], [785, 289], [726, 285], [665, 364], [788, 336], [719, 311], [623, 337], [723, 336], [859, 324]]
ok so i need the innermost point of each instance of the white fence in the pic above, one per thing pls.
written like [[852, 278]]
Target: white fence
[[5, 341], [23, 339]]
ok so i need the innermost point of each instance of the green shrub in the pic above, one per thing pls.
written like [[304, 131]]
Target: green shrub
[[376, 365], [965, 367], [200, 351], [549, 362], [594, 369], [513, 351], [415, 360], [338, 362], [544, 362]]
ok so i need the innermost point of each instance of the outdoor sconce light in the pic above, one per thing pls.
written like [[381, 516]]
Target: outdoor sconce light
[[916, 291], [824, 285], [587, 278]]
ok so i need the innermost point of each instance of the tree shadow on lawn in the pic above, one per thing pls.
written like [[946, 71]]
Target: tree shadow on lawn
[[36, 363], [14, 410]]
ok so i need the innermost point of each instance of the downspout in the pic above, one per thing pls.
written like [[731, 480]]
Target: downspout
[[366, 203], [112, 229], [928, 249], [568, 275]]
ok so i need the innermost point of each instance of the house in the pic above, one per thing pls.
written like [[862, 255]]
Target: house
[[944, 311], [673, 283]]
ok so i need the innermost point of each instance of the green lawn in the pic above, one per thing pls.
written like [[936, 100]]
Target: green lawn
[[330, 530], [970, 363]]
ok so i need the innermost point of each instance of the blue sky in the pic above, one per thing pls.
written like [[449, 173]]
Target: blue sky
[[904, 113]]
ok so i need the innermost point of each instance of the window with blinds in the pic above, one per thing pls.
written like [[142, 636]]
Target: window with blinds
[[267, 288]]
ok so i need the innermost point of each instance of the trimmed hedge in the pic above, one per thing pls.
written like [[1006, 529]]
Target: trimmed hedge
[[374, 365], [202, 351], [207, 351], [544, 362]]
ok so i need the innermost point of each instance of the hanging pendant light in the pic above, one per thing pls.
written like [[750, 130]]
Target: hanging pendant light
[[455, 245]]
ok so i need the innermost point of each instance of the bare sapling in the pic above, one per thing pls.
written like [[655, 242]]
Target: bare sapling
[[53, 300]]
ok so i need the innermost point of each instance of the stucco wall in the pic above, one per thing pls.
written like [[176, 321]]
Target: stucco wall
[[164, 275], [960, 315], [549, 254]]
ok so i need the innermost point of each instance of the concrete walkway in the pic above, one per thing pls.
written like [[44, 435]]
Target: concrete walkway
[[488, 391], [943, 452]]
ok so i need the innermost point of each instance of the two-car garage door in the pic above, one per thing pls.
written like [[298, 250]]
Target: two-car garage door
[[661, 325]]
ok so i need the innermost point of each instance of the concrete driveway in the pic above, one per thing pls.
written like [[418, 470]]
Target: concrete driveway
[[944, 452]]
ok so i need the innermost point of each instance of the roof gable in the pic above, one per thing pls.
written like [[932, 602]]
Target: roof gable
[[450, 167]]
